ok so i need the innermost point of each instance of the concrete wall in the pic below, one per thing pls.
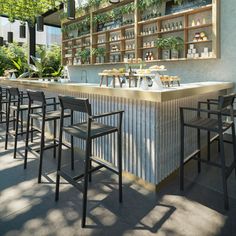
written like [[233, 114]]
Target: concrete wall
[[223, 69]]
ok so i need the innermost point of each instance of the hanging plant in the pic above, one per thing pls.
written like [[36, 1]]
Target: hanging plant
[[143, 4], [179, 2]]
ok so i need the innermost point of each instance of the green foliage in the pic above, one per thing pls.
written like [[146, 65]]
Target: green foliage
[[175, 43], [84, 55], [47, 63], [26, 10], [13, 57], [143, 4], [100, 52], [82, 26], [114, 14], [179, 2], [20, 65]]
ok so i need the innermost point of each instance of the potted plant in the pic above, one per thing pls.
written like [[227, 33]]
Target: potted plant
[[170, 46], [177, 45], [165, 45], [84, 56], [99, 53]]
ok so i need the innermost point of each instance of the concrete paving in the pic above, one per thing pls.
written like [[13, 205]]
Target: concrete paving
[[28, 208]]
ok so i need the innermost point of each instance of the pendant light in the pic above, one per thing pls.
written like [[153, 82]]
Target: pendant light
[[10, 37], [1, 41], [114, 1], [40, 23], [70, 9], [22, 31]]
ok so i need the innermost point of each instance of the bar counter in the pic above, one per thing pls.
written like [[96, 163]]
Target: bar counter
[[151, 142]]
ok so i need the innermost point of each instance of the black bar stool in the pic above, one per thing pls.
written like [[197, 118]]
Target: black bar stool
[[216, 125], [15, 104], [37, 98], [212, 104], [87, 131], [3, 104]]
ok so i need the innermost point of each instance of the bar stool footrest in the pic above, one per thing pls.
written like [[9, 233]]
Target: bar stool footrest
[[104, 163], [76, 178], [70, 180], [191, 156]]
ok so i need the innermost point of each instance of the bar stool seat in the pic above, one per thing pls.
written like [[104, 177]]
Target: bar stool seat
[[51, 115], [208, 124], [25, 107], [97, 130]]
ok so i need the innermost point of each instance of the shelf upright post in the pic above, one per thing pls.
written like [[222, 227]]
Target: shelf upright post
[[92, 38], [159, 36], [107, 46], [185, 25], [137, 30], [216, 28]]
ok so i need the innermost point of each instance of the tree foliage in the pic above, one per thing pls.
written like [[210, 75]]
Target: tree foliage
[[14, 56]]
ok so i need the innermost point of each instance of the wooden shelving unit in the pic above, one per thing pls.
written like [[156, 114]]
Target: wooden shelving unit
[[180, 25]]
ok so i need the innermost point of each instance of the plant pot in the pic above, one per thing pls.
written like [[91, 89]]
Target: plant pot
[[97, 59], [102, 59], [174, 54], [165, 54]]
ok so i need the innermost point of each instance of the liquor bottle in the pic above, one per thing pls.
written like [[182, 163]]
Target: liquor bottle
[[146, 56], [152, 57], [173, 26], [176, 25]]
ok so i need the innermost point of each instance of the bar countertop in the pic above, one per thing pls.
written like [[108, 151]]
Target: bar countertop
[[158, 95]]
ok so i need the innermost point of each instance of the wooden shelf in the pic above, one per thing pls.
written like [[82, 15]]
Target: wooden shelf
[[138, 39], [120, 51], [116, 41], [171, 31], [153, 61], [148, 48], [196, 42], [198, 26], [129, 50], [148, 35], [82, 36], [114, 30]]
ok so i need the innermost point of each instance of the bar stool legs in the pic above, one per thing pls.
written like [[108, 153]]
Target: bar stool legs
[[119, 147], [42, 144], [16, 129], [7, 125], [181, 152], [86, 170], [223, 171], [27, 137]]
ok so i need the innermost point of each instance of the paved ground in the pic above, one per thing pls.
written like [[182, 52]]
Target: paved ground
[[28, 208]]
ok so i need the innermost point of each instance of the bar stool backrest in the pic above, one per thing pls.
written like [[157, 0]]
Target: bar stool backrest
[[36, 96], [226, 101], [13, 92], [75, 104]]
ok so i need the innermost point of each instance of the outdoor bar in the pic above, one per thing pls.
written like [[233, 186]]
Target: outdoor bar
[[134, 107]]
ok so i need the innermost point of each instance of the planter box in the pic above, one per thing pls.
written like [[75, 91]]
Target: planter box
[[174, 54], [165, 54]]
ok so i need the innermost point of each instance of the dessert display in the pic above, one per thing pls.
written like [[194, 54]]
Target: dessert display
[[169, 80], [143, 71], [156, 67]]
